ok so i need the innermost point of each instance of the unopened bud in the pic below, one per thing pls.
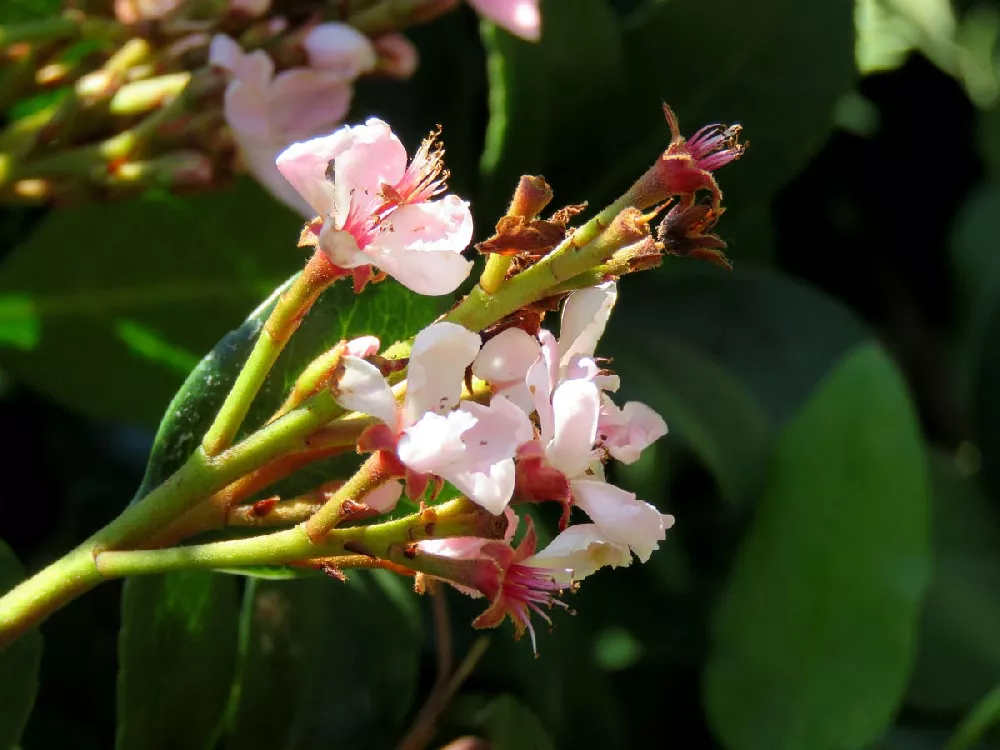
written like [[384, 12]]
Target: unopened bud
[[533, 194], [397, 57], [684, 232]]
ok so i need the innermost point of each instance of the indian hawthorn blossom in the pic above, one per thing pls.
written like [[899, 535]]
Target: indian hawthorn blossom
[[267, 111], [374, 209]]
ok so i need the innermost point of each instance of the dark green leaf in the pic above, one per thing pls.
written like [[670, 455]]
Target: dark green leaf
[[387, 309], [19, 663], [327, 664], [815, 634], [510, 725], [777, 336], [552, 103], [959, 657], [177, 656], [139, 291], [700, 401]]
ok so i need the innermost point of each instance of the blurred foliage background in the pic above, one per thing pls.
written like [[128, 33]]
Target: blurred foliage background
[[833, 579]]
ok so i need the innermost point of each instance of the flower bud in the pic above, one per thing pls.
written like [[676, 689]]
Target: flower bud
[[531, 196], [397, 57]]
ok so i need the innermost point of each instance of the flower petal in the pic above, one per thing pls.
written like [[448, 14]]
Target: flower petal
[[340, 247], [375, 157], [630, 430], [434, 444], [384, 498], [491, 489], [576, 408], [363, 388], [621, 517], [340, 49], [305, 165], [438, 360], [584, 317], [303, 102], [520, 17], [506, 357], [421, 245], [583, 549]]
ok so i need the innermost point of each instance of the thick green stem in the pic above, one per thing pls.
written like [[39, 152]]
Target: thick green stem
[[581, 252], [369, 477], [454, 518], [292, 306]]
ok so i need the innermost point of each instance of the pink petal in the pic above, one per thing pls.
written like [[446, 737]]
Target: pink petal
[[375, 157], [434, 443], [630, 430], [576, 407], [584, 317], [259, 158], [438, 360], [397, 55], [363, 388], [340, 247], [520, 17], [501, 428], [583, 549], [621, 517], [384, 498], [305, 164], [363, 346], [506, 357], [303, 102], [224, 52], [339, 49], [491, 489], [421, 245]]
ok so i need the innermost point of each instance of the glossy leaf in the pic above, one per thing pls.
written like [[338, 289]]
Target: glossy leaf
[[140, 306], [959, 657], [815, 634], [326, 663], [177, 656], [741, 320], [388, 309], [19, 664], [510, 725], [700, 402]]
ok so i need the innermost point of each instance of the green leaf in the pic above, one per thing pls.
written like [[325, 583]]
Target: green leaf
[[327, 664], [510, 725], [177, 656], [815, 633], [699, 400], [138, 291], [387, 309], [976, 268], [19, 664], [548, 98], [741, 320], [959, 657]]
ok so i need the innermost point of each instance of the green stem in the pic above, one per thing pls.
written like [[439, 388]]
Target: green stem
[[454, 518], [292, 306], [977, 722], [586, 248], [37, 597], [49, 29], [369, 477]]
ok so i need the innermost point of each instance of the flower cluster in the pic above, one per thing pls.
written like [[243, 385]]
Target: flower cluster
[[514, 414], [536, 425]]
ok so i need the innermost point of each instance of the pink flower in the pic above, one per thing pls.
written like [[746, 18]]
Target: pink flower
[[513, 579], [520, 17], [375, 210], [267, 112], [472, 447], [628, 431], [133, 11], [397, 57]]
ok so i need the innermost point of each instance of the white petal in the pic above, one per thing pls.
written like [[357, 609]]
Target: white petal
[[621, 517], [583, 549], [438, 360], [339, 48], [363, 388], [434, 443], [584, 317], [633, 429], [506, 357], [576, 406], [491, 489], [340, 247], [384, 498]]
